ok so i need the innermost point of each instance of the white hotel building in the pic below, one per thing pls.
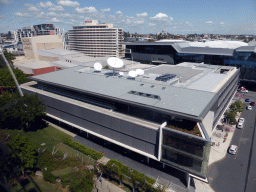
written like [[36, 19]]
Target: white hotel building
[[99, 40]]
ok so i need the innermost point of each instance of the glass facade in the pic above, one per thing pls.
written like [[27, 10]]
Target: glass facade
[[184, 151]]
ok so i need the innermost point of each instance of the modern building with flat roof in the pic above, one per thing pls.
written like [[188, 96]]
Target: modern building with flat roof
[[167, 114], [227, 53], [94, 39], [37, 30]]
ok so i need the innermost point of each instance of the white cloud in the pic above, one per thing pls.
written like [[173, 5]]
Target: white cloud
[[56, 8], [142, 14], [118, 12], [34, 9], [41, 15], [86, 10], [222, 23], [74, 21], [106, 10], [138, 22], [19, 14], [51, 14], [7, 2], [45, 4], [64, 15], [67, 3], [55, 20], [161, 16], [209, 22], [151, 24]]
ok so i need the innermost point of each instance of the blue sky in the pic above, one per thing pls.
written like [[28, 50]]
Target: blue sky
[[141, 16]]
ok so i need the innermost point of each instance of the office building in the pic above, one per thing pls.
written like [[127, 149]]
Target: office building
[[166, 115], [37, 30], [98, 40], [227, 53]]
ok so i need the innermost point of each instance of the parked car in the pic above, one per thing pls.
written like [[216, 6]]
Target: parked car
[[247, 100], [252, 103], [241, 120], [240, 125], [233, 149], [249, 107], [244, 91]]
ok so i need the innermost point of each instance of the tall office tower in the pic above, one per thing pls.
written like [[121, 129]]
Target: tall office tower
[[37, 30], [99, 40]]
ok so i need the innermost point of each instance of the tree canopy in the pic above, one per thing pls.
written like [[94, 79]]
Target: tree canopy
[[7, 80], [23, 113], [9, 56], [24, 151]]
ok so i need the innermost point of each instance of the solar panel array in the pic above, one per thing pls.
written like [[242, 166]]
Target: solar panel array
[[165, 77]]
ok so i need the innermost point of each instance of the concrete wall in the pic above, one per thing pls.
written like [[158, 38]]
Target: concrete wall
[[128, 133], [152, 57], [32, 44]]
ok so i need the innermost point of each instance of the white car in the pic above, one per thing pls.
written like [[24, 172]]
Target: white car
[[249, 107], [241, 120], [244, 91], [240, 125], [232, 149]]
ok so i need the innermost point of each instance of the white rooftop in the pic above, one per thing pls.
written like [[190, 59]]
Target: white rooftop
[[219, 44]]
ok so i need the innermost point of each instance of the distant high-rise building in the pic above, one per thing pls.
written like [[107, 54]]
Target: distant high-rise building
[[94, 39], [37, 30]]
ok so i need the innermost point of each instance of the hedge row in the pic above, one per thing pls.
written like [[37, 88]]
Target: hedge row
[[48, 176], [125, 170], [79, 147]]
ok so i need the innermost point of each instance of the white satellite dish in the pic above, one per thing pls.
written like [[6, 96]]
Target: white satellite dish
[[97, 66], [121, 73], [139, 72], [132, 74], [115, 62]]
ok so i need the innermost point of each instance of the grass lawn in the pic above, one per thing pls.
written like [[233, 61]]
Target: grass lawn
[[36, 183], [71, 152], [49, 135]]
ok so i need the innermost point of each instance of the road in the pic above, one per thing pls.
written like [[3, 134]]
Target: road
[[238, 172]]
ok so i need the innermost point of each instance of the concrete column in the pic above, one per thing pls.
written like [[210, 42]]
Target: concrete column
[[87, 134], [188, 180], [148, 160], [163, 165]]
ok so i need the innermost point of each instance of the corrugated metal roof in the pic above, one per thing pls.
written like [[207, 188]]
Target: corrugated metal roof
[[246, 49], [175, 99]]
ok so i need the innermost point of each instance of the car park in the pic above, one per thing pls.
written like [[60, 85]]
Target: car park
[[233, 149], [240, 125], [249, 107], [252, 103], [247, 100]]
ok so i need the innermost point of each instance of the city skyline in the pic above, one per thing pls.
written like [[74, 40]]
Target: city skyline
[[144, 17]]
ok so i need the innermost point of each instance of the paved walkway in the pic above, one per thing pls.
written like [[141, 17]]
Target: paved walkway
[[106, 186], [218, 151], [61, 129]]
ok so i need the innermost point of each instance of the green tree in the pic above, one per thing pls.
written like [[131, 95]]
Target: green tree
[[231, 117], [24, 151], [9, 56], [7, 80], [26, 114]]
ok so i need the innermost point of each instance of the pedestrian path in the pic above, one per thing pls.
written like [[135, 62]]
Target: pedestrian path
[[105, 186], [218, 150]]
